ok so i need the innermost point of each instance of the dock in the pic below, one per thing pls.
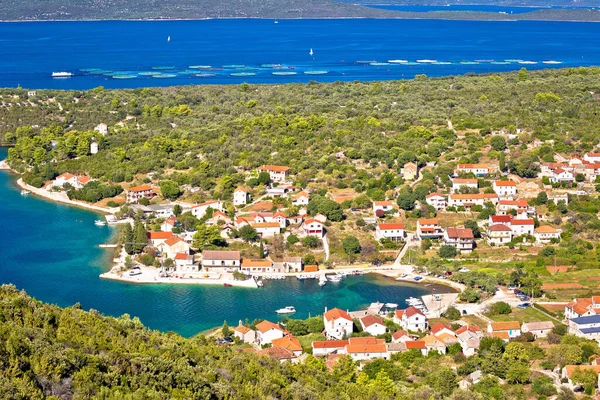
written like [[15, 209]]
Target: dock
[[437, 304], [107, 246]]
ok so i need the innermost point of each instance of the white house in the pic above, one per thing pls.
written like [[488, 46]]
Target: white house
[[169, 224], [136, 193], [373, 325], [469, 200], [172, 246], [592, 157], [392, 231], [240, 196], [281, 219], [522, 226], [587, 327], [266, 229], [276, 173], [505, 189], [401, 336], [101, 128], [436, 200], [505, 330], [185, 263], [460, 238], [366, 348], [199, 210], [477, 169], [538, 329], [94, 148], [158, 238], [385, 206], [499, 234], [267, 331], [469, 337], [250, 266], [458, 183], [326, 347], [429, 228], [76, 181], [410, 171], [546, 233], [313, 227], [412, 319], [221, 261], [301, 199], [338, 323], [560, 175], [244, 333]]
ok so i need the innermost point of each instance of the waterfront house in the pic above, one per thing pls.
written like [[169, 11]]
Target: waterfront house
[[75, 181], [158, 238], [383, 206], [136, 193], [366, 348], [185, 263], [326, 347], [338, 324], [240, 196], [522, 226], [538, 329], [287, 264], [392, 231], [172, 246], [161, 210], [546, 233], [460, 238], [413, 320], [587, 327], [415, 344], [256, 266], [459, 183], [199, 210], [410, 171], [436, 201], [313, 227], [505, 330], [476, 169], [429, 228], [401, 336], [373, 325], [276, 173], [288, 342], [499, 234], [169, 224], [266, 229], [244, 333], [221, 261], [505, 189], [301, 199], [267, 331], [469, 200]]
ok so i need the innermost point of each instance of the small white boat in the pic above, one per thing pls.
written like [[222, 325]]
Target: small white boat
[[99, 222], [260, 284], [322, 280], [399, 278], [286, 310], [25, 192], [552, 62], [335, 278], [311, 52], [397, 61], [301, 277], [62, 74], [169, 39], [426, 61], [135, 271]]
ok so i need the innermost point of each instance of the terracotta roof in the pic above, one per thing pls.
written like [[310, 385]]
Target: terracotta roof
[[208, 203], [246, 262], [265, 224], [65, 176], [432, 340], [181, 256], [287, 342], [505, 326], [501, 335], [159, 235], [464, 181], [546, 229], [415, 344], [592, 154], [522, 222], [410, 311], [274, 168], [241, 189], [336, 313], [579, 309], [596, 299], [435, 328], [431, 221], [242, 329], [569, 369], [390, 226], [142, 188], [220, 255], [301, 194], [410, 165], [83, 179], [312, 220], [173, 240], [476, 196], [430, 195], [265, 326], [538, 326], [472, 166], [499, 228], [366, 345], [279, 214], [518, 203], [501, 218], [329, 344], [447, 338], [383, 203], [399, 313], [277, 353], [505, 183], [371, 320], [469, 328], [399, 334], [460, 233]]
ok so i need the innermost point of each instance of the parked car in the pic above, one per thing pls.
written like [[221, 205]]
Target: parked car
[[523, 305]]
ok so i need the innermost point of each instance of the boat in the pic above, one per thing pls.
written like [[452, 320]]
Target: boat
[[200, 67], [275, 22], [169, 39], [227, 284], [286, 310], [379, 64], [322, 280], [25, 192], [528, 62], [335, 278], [551, 62], [284, 73], [311, 52], [99, 222], [62, 74], [426, 61], [204, 75], [259, 283], [397, 61], [301, 277], [315, 72], [391, 305], [135, 271]]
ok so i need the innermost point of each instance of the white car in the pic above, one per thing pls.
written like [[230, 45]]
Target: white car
[[135, 272]]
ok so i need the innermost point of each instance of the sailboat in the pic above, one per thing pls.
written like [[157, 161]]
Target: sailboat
[[169, 39], [311, 52]]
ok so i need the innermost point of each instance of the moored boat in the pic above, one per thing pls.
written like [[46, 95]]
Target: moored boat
[[62, 74], [286, 310]]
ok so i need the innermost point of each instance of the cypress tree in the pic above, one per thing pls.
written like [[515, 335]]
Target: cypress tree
[[140, 237], [127, 238]]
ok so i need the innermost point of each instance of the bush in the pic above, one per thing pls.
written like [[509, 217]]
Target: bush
[[500, 308], [311, 242], [447, 251], [453, 314]]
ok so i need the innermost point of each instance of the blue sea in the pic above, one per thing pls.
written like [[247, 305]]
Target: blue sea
[[128, 54], [472, 7], [51, 251]]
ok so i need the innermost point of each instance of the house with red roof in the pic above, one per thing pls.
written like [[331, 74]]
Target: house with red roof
[[429, 228], [172, 246], [157, 238], [469, 337], [185, 263], [505, 207], [505, 189], [461, 239], [476, 169], [136, 193], [416, 344], [459, 183], [440, 327], [522, 226], [560, 175], [436, 201], [266, 229], [169, 224], [592, 158], [413, 319], [301, 199], [366, 348], [582, 307], [277, 173], [383, 206], [393, 231], [199, 210], [240, 196], [469, 200], [401, 336], [288, 342], [326, 347], [505, 330], [267, 331], [281, 219], [313, 227], [500, 219], [280, 354], [410, 171], [499, 234], [373, 325], [546, 233], [75, 181], [218, 216], [338, 323], [244, 333]]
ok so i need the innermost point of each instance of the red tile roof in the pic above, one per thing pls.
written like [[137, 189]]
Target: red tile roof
[[499, 228], [459, 233], [522, 222], [336, 313], [390, 226], [437, 327], [410, 311], [505, 183], [287, 342], [274, 168], [399, 334], [415, 344], [501, 218], [142, 188], [329, 344], [371, 320], [265, 326], [159, 235]]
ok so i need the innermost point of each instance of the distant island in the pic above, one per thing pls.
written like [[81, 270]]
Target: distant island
[[50, 10]]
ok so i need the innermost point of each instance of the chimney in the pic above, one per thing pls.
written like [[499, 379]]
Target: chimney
[[325, 309], [240, 323]]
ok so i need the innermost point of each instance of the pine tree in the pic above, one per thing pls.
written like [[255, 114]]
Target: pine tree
[[127, 238], [225, 330], [140, 237]]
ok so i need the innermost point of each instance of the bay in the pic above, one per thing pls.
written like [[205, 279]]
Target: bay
[[32, 51], [51, 251]]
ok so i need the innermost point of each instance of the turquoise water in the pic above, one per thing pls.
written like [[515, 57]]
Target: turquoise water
[[30, 52], [51, 251]]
